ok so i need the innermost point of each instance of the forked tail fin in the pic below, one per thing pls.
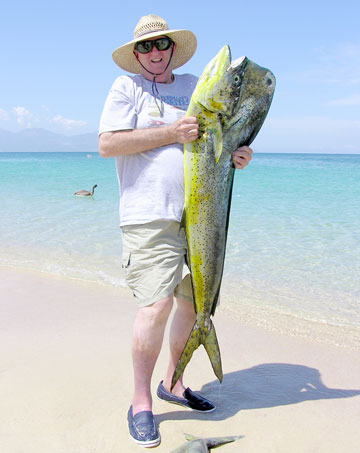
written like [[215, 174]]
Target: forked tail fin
[[207, 337]]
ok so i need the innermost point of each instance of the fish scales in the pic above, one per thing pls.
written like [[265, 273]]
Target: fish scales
[[230, 102]]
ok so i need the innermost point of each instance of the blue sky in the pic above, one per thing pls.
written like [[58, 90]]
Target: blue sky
[[56, 65]]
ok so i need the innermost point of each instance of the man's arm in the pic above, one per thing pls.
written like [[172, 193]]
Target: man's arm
[[118, 143], [183, 130]]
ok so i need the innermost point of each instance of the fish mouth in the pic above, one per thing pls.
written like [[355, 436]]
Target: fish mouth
[[236, 63], [239, 65]]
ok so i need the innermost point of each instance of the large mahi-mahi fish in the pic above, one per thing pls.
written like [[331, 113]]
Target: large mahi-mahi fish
[[230, 102]]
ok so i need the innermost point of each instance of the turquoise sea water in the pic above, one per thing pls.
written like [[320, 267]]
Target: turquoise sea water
[[293, 255]]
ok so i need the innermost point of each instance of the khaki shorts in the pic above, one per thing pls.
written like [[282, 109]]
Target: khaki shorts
[[154, 261]]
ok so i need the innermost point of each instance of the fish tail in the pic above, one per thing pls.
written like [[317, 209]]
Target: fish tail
[[192, 344], [197, 337], [211, 346]]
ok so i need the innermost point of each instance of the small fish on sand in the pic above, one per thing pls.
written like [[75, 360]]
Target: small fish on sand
[[198, 445]]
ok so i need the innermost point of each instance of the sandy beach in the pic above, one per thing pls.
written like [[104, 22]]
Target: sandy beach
[[66, 378]]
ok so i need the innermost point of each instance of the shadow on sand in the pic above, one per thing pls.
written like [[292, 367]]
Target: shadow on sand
[[266, 385]]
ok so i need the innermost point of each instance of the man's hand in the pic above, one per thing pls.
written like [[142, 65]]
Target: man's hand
[[185, 129], [241, 157]]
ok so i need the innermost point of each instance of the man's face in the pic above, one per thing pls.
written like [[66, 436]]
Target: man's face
[[156, 61]]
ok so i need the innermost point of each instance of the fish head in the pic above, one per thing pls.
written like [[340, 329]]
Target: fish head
[[233, 97], [220, 88], [256, 87]]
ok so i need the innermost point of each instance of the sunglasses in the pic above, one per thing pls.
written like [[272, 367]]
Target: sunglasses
[[147, 46]]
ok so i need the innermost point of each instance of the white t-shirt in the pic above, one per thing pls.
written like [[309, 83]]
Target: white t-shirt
[[151, 183]]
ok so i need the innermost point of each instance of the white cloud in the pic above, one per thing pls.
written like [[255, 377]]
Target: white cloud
[[21, 117], [24, 117], [3, 115], [68, 123]]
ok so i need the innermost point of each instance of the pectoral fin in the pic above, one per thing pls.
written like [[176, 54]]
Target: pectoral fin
[[218, 141]]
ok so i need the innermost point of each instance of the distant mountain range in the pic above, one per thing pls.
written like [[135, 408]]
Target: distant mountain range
[[42, 140]]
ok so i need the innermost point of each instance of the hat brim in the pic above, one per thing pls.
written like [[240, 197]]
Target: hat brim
[[185, 48]]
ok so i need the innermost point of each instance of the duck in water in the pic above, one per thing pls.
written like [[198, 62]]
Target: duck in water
[[85, 193]]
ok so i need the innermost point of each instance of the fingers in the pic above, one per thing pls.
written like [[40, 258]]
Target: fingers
[[241, 157], [191, 128], [187, 129], [189, 119]]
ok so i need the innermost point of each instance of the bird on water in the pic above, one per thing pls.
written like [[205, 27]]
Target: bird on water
[[85, 193]]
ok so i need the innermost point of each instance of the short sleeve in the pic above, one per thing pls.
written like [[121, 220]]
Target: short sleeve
[[119, 111]]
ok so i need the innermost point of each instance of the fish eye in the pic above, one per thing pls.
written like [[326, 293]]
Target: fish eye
[[236, 79]]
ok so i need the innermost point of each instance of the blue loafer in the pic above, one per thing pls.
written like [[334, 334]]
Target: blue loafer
[[191, 399], [143, 429]]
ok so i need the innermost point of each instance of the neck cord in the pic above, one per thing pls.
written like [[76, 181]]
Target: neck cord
[[157, 97]]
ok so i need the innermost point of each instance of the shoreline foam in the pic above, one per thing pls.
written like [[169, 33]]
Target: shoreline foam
[[270, 318]]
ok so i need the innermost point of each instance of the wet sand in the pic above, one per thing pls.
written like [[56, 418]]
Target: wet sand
[[66, 378]]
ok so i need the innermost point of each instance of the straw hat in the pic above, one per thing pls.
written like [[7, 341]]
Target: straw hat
[[151, 26]]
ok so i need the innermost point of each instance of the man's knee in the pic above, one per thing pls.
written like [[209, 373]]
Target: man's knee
[[158, 311]]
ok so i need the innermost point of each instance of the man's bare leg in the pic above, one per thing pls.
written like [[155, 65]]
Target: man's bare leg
[[148, 334], [183, 321]]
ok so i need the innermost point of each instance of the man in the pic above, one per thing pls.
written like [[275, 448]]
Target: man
[[143, 126]]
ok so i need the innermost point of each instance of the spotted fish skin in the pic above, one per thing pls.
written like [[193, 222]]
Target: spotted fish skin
[[196, 445], [230, 102]]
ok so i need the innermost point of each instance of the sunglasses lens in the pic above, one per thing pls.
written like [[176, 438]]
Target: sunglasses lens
[[162, 43], [147, 46], [144, 46]]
